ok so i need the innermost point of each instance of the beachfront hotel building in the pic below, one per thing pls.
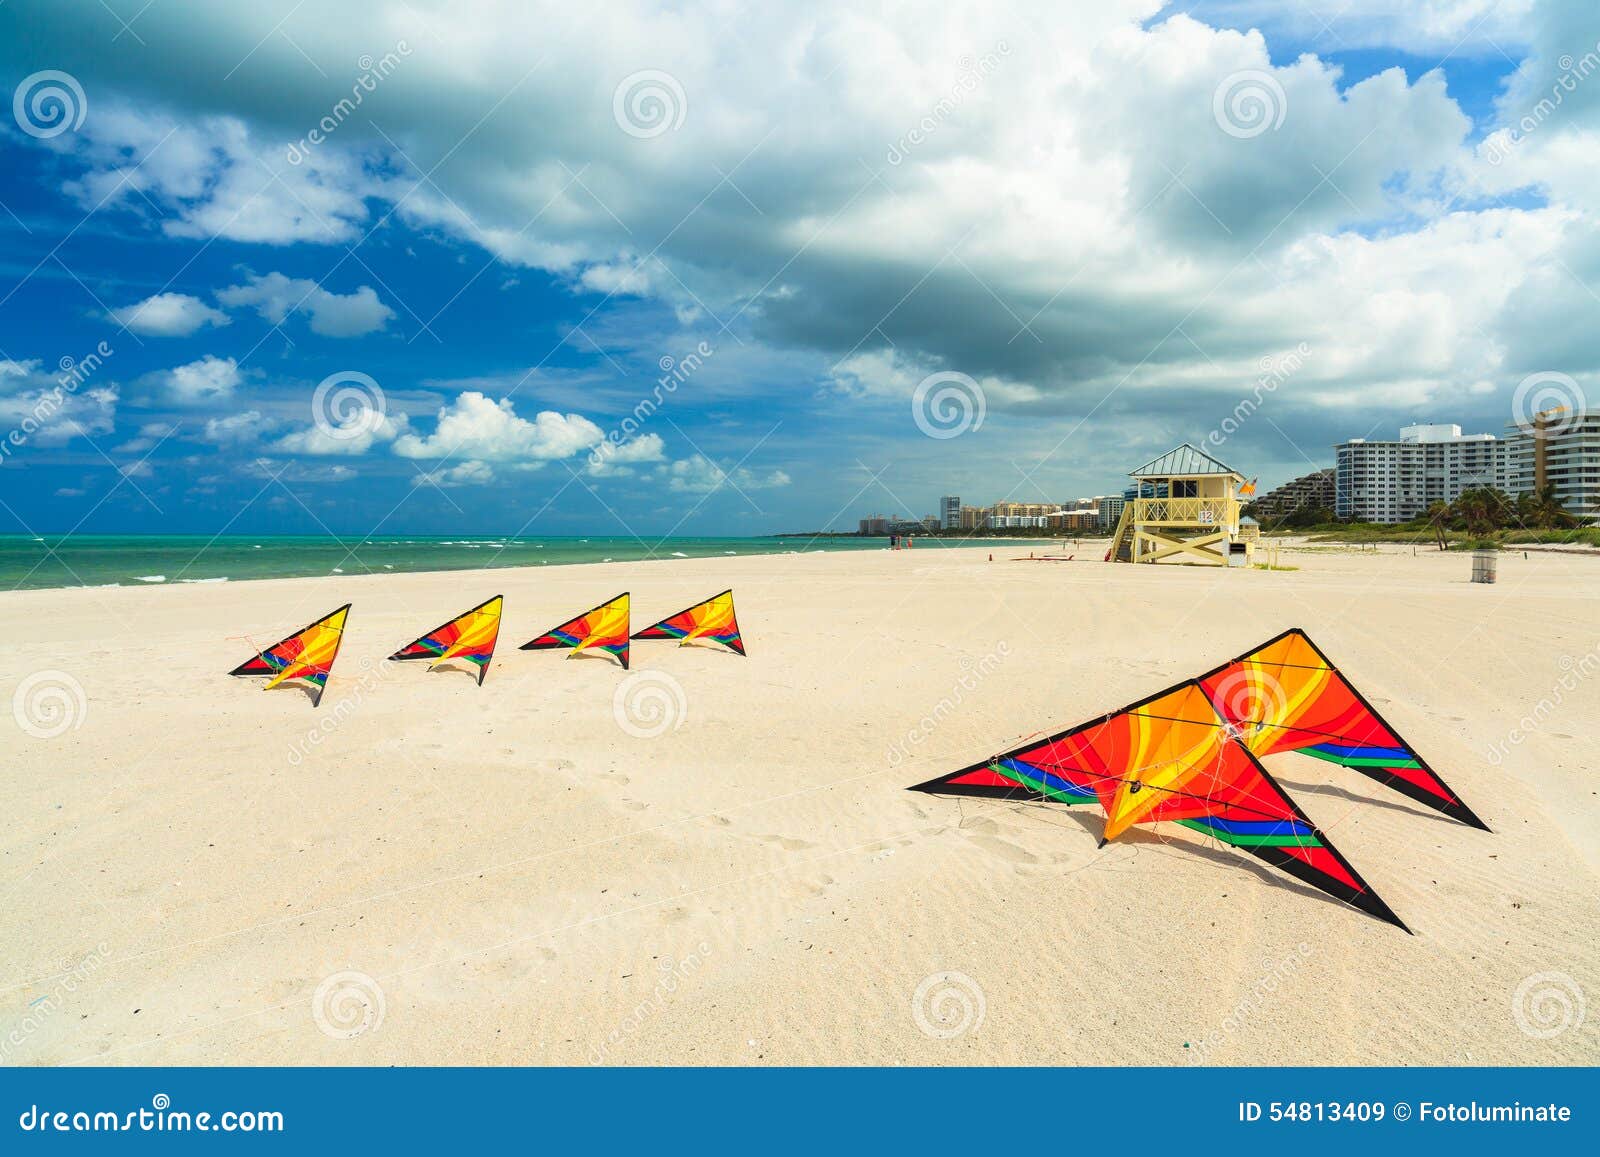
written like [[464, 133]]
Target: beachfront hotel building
[[1396, 481], [1314, 491], [950, 512], [1557, 448]]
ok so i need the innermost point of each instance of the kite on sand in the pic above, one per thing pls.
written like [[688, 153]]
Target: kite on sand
[[713, 619], [307, 654], [605, 628], [469, 638], [1189, 754]]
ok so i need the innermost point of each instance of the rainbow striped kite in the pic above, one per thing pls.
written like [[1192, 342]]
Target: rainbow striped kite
[[604, 628], [470, 638], [1189, 754], [307, 654], [1285, 696], [713, 619]]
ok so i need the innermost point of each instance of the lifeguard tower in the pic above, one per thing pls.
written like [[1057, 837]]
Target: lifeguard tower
[[1185, 509]]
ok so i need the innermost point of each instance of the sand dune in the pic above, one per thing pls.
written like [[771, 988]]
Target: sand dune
[[425, 871]]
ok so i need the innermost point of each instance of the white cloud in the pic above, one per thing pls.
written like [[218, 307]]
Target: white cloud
[[611, 458], [150, 435], [40, 410], [475, 427], [464, 474], [209, 379], [236, 429], [324, 441], [332, 314], [298, 471], [700, 475], [168, 315]]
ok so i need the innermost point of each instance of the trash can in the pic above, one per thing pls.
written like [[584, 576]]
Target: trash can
[[1483, 565]]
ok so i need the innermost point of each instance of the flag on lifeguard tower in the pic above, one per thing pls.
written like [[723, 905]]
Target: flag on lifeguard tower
[[1248, 490]]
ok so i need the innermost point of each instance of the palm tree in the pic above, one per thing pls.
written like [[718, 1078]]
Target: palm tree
[[1439, 516], [1483, 509]]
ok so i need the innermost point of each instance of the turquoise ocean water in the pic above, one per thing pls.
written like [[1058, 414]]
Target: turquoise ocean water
[[28, 563]]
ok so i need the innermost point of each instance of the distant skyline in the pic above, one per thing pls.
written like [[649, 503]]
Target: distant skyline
[[601, 273]]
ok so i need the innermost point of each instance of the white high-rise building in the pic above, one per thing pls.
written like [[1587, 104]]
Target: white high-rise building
[[1397, 481], [1559, 448], [950, 512]]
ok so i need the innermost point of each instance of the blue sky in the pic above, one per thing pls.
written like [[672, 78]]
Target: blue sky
[[1050, 215]]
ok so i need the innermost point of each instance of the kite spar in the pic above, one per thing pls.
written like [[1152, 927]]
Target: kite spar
[[604, 628], [1172, 757], [713, 619], [469, 638], [307, 654]]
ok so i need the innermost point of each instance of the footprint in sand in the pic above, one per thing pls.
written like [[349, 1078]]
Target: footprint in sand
[[1005, 849], [788, 843], [720, 821]]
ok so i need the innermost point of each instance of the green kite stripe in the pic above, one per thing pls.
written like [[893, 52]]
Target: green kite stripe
[[1346, 761], [1253, 841]]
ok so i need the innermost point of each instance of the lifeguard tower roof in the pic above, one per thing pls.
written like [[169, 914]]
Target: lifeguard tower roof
[[1184, 462]]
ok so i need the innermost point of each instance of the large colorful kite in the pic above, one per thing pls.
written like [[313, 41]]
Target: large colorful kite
[[307, 654], [1286, 696], [605, 628], [713, 619], [470, 638], [1189, 754]]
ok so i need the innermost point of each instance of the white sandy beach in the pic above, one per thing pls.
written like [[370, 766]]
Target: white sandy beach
[[519, 880]]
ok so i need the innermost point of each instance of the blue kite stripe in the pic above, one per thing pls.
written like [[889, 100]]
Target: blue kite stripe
[[1254, 827], [1394, 753], [1047, 778]]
